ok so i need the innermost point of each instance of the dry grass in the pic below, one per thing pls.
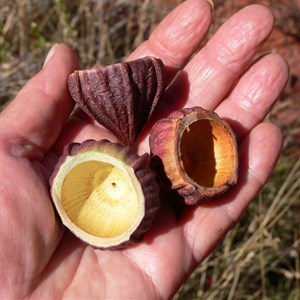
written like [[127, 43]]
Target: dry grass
[[259, 259], [101, 32]]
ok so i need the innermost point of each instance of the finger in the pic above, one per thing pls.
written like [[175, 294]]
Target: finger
[[255, 94], [38, 112], [211, 222], [214, 70], [178, 36]]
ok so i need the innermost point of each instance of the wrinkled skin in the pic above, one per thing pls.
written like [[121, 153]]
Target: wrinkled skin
[[39, 259]]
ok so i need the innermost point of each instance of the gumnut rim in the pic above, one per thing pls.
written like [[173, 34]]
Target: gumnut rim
[[194, 152], [135, 167]]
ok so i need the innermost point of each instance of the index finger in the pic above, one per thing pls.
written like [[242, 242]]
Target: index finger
[[178, 36]]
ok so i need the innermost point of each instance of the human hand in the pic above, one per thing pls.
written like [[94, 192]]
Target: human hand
[[40, 259]]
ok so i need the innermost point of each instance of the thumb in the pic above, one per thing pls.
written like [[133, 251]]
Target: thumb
[[36, 116]]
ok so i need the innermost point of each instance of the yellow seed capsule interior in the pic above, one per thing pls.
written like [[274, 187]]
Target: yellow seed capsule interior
[[207, 153], [100, 199]]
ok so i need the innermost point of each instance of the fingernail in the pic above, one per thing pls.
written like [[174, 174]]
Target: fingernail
[[50, 54], [211, 3]]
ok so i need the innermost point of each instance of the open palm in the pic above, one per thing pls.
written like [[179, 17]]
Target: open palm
[[40, 259]]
